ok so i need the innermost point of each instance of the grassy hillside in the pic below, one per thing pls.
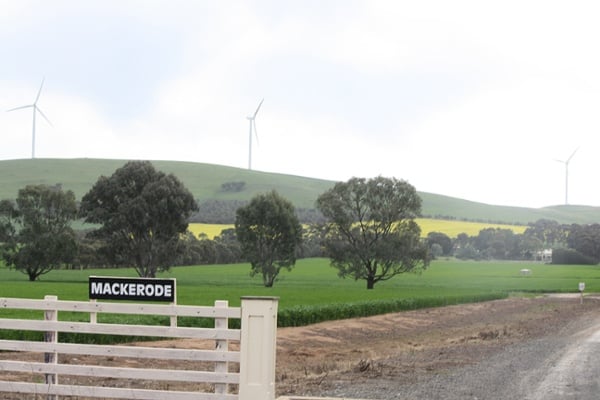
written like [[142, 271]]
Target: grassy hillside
[[205, 180]]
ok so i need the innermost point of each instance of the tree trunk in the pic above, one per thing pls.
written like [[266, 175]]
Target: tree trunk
[[268, 280], [370, 283]]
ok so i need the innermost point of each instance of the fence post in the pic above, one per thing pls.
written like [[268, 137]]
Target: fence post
[[221, 345], [258, 347], [51, 337], [93, 315]]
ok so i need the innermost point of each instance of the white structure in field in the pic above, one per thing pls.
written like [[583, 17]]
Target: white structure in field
[[544, 256]]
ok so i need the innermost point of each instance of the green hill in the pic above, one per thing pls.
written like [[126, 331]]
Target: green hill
[[205, 180]]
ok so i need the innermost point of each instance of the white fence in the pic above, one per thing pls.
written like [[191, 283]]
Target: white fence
[[217, 372]]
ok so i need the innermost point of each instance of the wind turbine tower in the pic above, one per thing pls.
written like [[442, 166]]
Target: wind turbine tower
[[36, 109], [252, 121], [566, 162]]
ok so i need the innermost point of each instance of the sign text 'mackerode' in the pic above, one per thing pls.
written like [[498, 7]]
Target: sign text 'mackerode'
[[112, 288]]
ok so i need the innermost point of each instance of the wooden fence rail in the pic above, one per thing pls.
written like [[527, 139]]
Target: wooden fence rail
[[211, 370]]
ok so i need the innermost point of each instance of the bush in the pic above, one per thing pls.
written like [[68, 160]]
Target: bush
[[571, 257], [233, 187]]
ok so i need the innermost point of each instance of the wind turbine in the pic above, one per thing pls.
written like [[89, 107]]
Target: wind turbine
[[568, 160], [36, 109], [252, 121]]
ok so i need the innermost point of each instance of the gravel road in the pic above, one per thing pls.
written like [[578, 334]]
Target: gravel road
[[560, 365]]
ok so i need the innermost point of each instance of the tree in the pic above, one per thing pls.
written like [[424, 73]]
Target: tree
[[372, 234], [442, 240], [549, 232], [585, 239], [269, 234], [35, 232], [143, 213]]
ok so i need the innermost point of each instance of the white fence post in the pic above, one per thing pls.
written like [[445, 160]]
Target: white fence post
[[258, 347], [93, 315], [52, 337], [221, 345]]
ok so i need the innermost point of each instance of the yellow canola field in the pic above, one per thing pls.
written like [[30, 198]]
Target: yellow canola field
[[210, 230], [448, 227], [454, 228]]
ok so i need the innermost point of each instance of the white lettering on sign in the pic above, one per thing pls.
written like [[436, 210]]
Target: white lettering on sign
[[130, 289]]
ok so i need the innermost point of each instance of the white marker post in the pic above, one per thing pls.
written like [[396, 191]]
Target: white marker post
[[581, 289]]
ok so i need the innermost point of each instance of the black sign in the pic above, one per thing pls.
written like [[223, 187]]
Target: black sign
[[147, 289]]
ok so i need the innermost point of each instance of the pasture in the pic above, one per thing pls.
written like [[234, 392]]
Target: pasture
[[314, 284]]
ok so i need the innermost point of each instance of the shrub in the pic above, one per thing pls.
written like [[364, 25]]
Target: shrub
[[571, 257]]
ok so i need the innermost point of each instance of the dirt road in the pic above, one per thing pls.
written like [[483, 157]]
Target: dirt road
[[499, 349], [576, 373]]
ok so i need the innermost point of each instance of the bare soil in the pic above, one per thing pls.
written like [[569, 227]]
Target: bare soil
[[402, 348], [407, 347]]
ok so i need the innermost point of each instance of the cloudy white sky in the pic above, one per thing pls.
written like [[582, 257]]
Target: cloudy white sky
[[472, 99]]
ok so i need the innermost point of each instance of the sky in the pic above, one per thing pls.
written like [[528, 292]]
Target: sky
[[480, 100]]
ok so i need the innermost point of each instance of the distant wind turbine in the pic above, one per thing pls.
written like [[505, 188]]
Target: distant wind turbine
[[566, 162], [252, 120], [36, 109]]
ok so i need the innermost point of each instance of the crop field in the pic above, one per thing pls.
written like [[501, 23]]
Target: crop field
[[452, 228], [312, 291], [210, 230]]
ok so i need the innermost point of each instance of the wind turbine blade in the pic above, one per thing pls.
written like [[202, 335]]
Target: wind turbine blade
[[46, 118], [19, 108], [569, 159], [39, 92], [257, 108]]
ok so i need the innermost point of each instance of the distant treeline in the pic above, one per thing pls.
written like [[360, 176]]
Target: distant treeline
[[223, 212], [571, 244], [481, 220]]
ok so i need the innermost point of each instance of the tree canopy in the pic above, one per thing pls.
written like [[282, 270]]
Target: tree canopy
[[144, 214], [371, 234], [35, 232], [269, 233]]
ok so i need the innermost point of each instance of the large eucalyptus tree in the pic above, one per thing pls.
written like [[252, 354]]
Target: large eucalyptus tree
[[371, 234], [269, 234], [35, 230], [143, 214]]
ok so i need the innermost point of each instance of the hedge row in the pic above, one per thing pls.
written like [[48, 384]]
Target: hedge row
[[306, 315]]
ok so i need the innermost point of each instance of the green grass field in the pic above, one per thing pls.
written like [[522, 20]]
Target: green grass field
[[312, 292], [314, 282]]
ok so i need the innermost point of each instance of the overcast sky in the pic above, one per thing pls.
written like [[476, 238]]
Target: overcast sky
[[471, 99]]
